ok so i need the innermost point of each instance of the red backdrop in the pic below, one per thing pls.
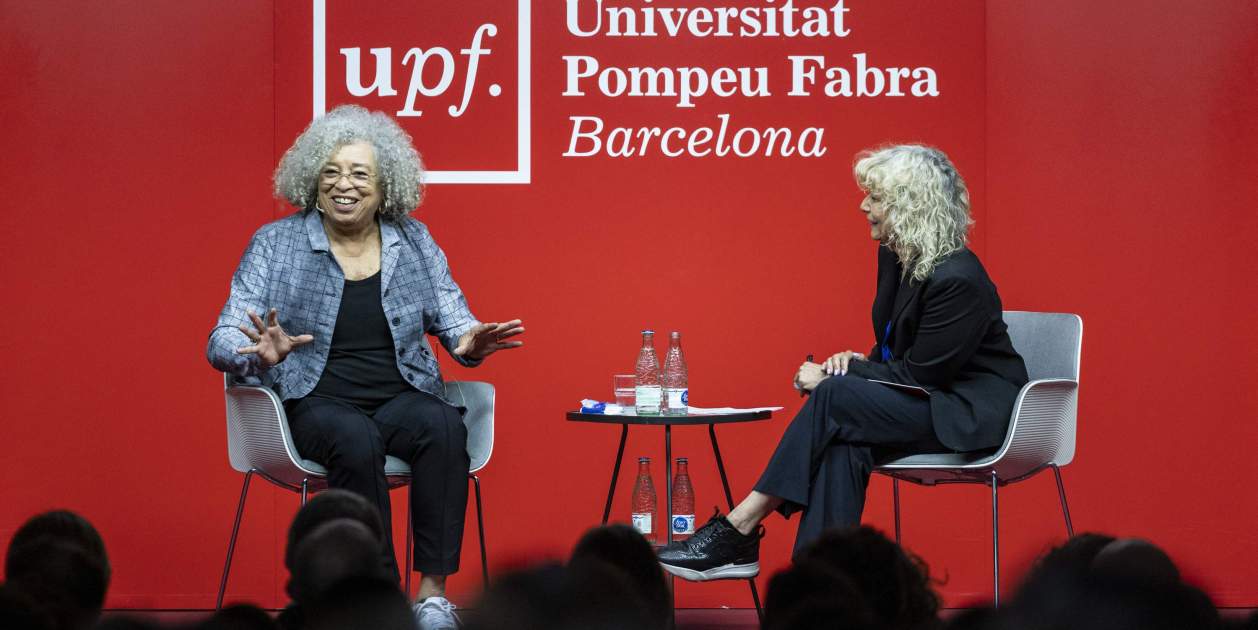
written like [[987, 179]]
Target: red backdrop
[[1109, 150]]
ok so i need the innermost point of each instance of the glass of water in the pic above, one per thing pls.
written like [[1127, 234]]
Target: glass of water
[[622, 385]]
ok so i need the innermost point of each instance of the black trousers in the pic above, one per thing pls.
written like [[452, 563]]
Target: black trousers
[[416, 427], [825, 457]]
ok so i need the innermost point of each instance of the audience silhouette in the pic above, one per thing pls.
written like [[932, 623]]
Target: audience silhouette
[[57, 573], [622, 547]]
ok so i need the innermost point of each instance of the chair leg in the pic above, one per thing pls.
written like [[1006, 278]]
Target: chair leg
[[1061, 494], [995, 543], [231, 545], [480, 527], [409, 561], [895, 499]]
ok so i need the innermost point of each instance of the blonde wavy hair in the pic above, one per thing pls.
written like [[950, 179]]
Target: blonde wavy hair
[[928, 206], [400, 169]]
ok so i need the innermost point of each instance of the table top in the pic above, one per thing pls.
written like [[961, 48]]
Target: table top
[[723, 418]]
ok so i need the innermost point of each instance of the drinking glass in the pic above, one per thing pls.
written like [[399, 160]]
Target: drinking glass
[[622, 385]]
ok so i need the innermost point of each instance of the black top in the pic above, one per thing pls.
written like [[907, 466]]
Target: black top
[[627, 419], [361, 369], [948, 336]]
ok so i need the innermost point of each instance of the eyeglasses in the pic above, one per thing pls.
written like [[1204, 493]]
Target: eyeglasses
[[357, 178]]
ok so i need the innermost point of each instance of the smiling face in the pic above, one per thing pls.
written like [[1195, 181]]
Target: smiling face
[[349, 187], [876, 213]]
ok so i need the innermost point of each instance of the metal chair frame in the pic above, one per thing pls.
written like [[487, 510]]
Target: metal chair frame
[[1041, 434], [263, 446]]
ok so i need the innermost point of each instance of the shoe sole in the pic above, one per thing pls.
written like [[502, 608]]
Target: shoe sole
[[723, 572]]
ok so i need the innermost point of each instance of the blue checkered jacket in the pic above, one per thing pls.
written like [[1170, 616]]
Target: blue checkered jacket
[[289, 266]]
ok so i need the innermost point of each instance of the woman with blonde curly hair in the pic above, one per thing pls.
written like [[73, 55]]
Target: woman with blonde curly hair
[[361, 284], [937, 326]]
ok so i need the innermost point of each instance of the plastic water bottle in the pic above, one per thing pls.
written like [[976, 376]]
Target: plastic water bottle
[[643, 510], [683, 522], [676, 390], [647, 391]]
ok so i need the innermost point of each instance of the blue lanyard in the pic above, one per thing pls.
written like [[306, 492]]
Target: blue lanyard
[[886, 352]]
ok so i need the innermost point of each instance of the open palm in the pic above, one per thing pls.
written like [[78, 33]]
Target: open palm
[[270, 342], [485, 339]]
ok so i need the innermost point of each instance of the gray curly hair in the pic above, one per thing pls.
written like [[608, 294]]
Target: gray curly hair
[[400, 168], [928, 205]]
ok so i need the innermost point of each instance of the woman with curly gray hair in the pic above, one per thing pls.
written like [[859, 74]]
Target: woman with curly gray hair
[[362, 284], [942, 375]]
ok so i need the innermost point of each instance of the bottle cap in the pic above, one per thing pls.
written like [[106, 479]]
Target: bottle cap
[[648, 332], [644, 460], [682, 460], [674, 334]]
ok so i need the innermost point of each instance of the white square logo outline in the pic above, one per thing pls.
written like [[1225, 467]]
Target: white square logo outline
[[523, 171]]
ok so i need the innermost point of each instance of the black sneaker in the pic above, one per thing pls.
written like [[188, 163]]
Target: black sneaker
[[716, 551]]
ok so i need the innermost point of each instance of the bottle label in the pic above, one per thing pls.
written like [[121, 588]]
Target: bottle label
[[647, 398], [678, 398], [642, 523], [683, 523]]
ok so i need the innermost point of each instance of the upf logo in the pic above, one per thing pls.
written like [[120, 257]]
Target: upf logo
[[456, 75]]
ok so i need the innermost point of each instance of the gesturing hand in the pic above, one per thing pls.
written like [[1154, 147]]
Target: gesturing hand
[[838, 363], [485, 339], [270, 342]]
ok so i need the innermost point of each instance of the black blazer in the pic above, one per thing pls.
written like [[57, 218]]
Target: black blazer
[[948, 336]]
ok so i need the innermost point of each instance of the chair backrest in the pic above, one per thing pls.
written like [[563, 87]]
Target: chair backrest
[[1044, 424], [1048, 342], [479, 400]]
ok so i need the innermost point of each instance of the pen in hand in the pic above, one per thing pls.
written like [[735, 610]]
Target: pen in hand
[[803, 392]]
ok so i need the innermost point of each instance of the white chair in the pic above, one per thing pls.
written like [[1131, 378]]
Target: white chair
[[1041, 429], [259, 443]]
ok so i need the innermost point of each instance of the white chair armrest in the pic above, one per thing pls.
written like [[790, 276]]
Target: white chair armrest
[[479, 400], [258, 436], [1041, 428]]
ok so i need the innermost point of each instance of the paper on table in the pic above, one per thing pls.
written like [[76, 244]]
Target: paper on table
[[716, 411]]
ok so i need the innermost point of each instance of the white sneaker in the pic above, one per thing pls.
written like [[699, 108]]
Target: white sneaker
[[436, 613]]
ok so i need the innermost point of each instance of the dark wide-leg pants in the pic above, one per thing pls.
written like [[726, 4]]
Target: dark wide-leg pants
[[416, 427], [825, 457]]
